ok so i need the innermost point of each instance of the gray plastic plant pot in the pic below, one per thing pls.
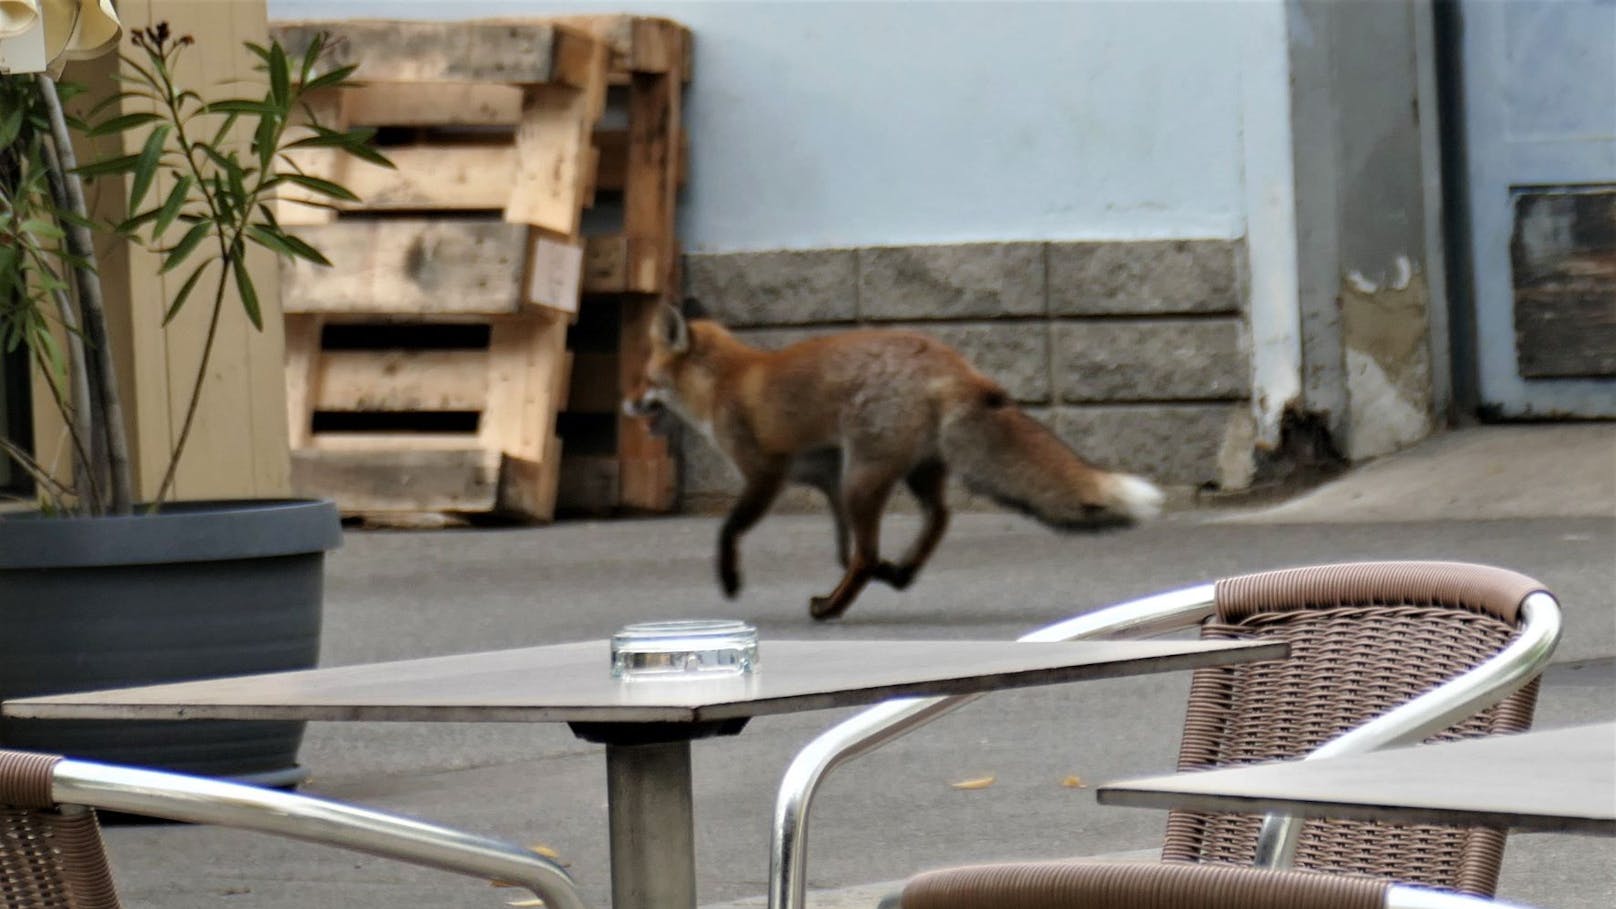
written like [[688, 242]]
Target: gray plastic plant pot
[[198, 590]]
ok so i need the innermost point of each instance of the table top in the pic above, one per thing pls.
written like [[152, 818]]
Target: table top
[[1560, 780], [572, 682]]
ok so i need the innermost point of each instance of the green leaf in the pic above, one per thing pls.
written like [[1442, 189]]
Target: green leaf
[[122, 164], [43, 227], [171, 208], [323, 187], [194, 236], [74, 218], [11, 126], [146, 166], [130, 225], [226, 163], [67, 91], [260, 51], [225, 127], [123, 122], [116, 97], [239, 200], [334, 77], [264, 140], [244, 284], [44, 343], [146, 77], [366, 153], [285, 244], [324, 138], [185, 291], [303, 250], [243, 106], [280, 78], [312, 55]]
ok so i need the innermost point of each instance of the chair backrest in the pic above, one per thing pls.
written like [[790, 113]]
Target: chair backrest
[[1364, 638], [51, 856]]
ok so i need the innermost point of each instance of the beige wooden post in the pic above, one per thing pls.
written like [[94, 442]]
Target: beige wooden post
[[238, 446]]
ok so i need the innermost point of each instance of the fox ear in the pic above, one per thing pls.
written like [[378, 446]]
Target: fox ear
[[671, 329]]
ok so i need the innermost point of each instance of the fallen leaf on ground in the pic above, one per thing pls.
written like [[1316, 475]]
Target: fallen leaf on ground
[[1074, 782], [981, 782], [525, 903]]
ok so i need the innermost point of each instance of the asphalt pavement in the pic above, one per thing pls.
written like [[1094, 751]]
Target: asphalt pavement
[[1540, 500]]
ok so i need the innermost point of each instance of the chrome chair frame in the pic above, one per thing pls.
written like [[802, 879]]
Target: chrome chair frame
[[1512, 667], [200, 800]]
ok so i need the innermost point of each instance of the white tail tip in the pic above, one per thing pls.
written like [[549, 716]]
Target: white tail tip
[[1136, 496]]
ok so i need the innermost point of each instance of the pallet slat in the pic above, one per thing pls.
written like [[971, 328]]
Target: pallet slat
[[529, 51], [402, 380], [429, 267], [402, 480]]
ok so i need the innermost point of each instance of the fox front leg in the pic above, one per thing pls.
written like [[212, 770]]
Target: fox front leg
[[762, 487]]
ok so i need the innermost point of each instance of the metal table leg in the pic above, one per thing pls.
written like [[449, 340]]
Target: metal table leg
[[652, 826]]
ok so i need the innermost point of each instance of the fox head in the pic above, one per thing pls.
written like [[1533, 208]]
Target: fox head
[[673, 383]]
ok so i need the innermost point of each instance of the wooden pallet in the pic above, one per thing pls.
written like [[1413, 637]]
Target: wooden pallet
[[630, 267], [426, 368], [612, 461]]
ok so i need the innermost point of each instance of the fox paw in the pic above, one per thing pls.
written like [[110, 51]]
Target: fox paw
[[894, 575], [729, 579], [825, 608]]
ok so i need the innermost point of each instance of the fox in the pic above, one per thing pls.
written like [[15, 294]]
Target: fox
[[853, 414]]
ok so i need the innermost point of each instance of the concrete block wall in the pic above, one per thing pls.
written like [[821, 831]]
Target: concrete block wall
[[1137, 353]]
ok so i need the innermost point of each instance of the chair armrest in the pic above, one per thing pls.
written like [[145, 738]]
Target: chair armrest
[[1171, 885], [1138, 885], [1522, 660], [875, 727], [205, 801]]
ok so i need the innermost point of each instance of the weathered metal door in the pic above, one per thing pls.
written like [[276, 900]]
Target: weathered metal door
[[1539, 88]]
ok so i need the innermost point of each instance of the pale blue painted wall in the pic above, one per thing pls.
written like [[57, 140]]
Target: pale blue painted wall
[[876, 123]]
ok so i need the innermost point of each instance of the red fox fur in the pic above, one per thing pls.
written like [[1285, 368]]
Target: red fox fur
[[855, 413]]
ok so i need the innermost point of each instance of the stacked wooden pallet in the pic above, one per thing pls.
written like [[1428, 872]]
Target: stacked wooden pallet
[[630, 267], [427, 369]]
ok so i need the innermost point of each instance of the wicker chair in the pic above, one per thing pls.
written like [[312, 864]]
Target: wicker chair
[[52, 856], [1454, 651]]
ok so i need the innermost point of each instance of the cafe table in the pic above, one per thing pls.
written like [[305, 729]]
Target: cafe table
[[1554, 780], [646, 726]]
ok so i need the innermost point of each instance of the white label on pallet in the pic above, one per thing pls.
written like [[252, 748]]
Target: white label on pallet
[[555, 269]]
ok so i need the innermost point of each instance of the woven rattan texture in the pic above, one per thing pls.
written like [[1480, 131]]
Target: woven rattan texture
[[1137, 885], [50, 857], [1347, 665], [1482, 588]]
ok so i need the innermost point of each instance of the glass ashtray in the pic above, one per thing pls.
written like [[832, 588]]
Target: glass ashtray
[[689, 648]]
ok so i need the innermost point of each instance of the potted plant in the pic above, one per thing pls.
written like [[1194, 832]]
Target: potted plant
[[96, 589]]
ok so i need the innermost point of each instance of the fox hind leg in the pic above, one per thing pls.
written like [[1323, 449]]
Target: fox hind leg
[[864, 497], [929, 483]]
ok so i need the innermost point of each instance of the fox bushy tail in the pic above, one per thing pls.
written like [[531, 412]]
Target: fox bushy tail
[[1001, 452]]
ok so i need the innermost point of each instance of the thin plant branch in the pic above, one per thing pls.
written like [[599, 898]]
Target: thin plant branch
[[196, 387], [81, 245], [42, 478], [88, 471]]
